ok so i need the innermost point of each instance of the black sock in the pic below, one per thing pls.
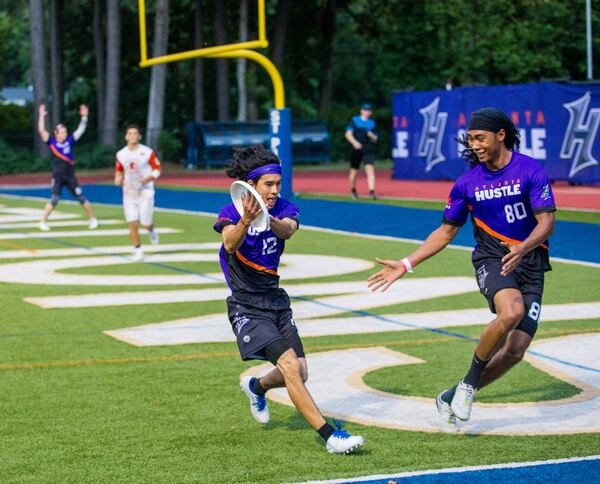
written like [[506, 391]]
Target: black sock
[[326, 431], [473, 376], [137, 246], [448, 395], [257, 388]]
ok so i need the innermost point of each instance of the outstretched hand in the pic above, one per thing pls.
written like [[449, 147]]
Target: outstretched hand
[[252, 208], [391, 272], [42, 110], [511, 260], [84, 110]]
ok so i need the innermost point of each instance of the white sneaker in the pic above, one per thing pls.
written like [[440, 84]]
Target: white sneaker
[[463, 401], [93, 224], [44, 226], [341, 442], [154, 238], [447, 420], [138, 254], [258, 405]]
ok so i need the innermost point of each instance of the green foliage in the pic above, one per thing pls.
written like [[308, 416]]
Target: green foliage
[[15, 119], [15, 159], [169, 147]]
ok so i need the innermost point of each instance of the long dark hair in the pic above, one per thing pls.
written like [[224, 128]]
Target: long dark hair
[[247, 158], [512, 142]]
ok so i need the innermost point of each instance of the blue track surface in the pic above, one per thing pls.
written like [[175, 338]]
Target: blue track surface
[[583, 471], [571, 240]]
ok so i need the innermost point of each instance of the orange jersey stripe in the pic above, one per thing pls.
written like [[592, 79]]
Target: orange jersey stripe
[[153, 162], [60, 155], [493, 233], [253, 265]]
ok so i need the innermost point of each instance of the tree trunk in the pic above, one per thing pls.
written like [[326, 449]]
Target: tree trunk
[[222, 66], [326, 78], [158, 79], [281, 23], [113, 79], [100, 62], [252, 101], [198, 65], [241, 65], [56, 63], [38, 64]]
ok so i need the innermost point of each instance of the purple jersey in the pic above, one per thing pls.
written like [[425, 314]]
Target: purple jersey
[[253, 267], [62, 153], [503, 205]]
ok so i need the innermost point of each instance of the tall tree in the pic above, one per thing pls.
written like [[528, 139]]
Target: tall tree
[[198, 64], [328, 18], [99, 57], [241, 65], [56, 63], [279, 35], [113, 73], [38, 62], [222, 65], [158, 78]]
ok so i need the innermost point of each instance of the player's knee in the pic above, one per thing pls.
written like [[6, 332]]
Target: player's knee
[[512, 314], [81, 199], [514, 353], [290, 366], [54, 200]]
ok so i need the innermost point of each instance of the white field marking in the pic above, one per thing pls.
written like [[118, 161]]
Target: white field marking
[[63, 223], [104, 250], [408, 292], [309, 227], [297, 266], [78, 233], [216, 327], [457, 470], [347, 396], [6, 219]]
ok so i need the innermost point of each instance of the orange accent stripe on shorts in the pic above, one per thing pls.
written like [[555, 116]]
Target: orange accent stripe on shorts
[[60, 155], [253, 265], [493, 233]]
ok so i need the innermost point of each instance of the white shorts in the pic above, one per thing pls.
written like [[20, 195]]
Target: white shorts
[[139, 207]]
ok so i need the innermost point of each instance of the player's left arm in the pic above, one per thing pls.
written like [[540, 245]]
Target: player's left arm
[[84, 111], [540, 233], [156, 169], [283, 228]]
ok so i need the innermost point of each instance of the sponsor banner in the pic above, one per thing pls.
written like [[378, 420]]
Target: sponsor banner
[[558, 123]]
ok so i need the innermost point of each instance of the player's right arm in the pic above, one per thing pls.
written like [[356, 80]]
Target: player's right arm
[[455, 216], [119, 171], [394, 270], [350, 136], [234, 235], [42, 113]]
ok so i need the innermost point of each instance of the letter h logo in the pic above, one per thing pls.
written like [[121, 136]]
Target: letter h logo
[[432, 134], [581, 134]]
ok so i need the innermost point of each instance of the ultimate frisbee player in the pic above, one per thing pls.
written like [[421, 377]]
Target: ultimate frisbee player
[[259, 310], [512, 209]]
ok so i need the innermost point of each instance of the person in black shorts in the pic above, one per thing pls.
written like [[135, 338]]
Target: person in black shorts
[[63, 164], [509, 199], [259, 310], [360, 133]]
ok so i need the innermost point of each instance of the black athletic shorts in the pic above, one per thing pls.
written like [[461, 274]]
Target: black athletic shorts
[[363, 155], [255, 328], [67, 179], [529, 282]]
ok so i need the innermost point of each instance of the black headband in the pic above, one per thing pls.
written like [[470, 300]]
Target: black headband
[[490, 119]]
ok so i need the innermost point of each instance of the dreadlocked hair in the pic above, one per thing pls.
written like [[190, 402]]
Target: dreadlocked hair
[[511, 141], [247, 158]]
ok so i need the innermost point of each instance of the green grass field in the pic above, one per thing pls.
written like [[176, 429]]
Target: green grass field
[[80, 406]]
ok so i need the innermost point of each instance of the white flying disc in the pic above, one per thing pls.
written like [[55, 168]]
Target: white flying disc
[[239, 188]]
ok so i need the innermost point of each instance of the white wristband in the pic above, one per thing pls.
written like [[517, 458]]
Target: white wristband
[[407, 265]]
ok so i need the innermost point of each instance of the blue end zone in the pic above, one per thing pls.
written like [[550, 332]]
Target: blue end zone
[[571, 240], [568, 470]]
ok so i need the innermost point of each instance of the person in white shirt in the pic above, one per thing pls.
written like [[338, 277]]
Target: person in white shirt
[[137, 168]]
